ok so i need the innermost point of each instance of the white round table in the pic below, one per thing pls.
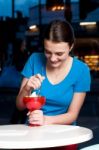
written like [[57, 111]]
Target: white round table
[[25, 137]]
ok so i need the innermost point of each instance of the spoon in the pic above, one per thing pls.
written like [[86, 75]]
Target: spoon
[[39, 89]]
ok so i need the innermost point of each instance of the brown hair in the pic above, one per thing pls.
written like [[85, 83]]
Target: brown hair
[[60, 31]]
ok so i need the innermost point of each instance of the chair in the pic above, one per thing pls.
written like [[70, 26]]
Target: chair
[[92, 147]]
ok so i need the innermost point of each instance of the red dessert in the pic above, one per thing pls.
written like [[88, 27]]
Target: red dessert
[[33, 103]]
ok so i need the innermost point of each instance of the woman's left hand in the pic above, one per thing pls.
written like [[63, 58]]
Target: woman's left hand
[[36, 117]]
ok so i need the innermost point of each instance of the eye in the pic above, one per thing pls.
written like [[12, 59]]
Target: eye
[[60, 54], [47, 52]]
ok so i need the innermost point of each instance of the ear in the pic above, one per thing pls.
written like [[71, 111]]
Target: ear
[[71, 47]]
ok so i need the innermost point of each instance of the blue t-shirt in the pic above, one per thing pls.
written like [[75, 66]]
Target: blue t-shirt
[[58, 96]]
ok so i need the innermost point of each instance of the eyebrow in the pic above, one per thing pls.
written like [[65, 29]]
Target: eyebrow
[[46, 50], [50, 51]]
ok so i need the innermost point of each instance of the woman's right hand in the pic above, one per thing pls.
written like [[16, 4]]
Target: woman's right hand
[[34, 82]]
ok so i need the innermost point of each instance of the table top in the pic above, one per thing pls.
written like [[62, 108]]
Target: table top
[[26, 137]]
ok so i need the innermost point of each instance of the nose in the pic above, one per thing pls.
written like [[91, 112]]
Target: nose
[[53, 58]]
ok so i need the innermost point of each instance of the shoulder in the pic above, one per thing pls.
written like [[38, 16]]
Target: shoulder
[[82, 76], [33, 65], [80, 65], [80, 68], [36, 60], [37, 56]]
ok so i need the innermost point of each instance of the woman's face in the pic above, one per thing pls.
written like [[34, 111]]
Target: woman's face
[[56, 53]]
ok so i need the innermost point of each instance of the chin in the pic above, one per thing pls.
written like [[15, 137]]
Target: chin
[[55, 65]]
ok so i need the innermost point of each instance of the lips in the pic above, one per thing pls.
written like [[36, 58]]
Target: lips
[[54, 62]]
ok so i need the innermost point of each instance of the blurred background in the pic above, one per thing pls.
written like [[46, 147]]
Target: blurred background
[[22, 24]]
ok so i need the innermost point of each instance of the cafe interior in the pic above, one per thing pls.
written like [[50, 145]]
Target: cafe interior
[[21, 35]]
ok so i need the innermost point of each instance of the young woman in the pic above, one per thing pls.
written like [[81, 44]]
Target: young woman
[[64, 79]]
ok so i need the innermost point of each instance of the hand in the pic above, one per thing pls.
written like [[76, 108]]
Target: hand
[[34, 82], [36, 117]]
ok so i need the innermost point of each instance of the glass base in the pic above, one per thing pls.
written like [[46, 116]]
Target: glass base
[[33, 125]]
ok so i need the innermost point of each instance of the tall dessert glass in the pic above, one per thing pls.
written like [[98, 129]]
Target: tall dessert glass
[[34, 103]]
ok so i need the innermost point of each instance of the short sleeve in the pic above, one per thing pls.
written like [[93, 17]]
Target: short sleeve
[[84, 80], [29, 67]]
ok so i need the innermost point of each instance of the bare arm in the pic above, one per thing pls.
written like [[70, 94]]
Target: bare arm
[[37, 117], [23, 92], [71, 115]]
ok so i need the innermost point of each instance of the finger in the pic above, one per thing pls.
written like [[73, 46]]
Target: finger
[[34, 82], [36, 115], [28, 113], [34, 118], [41, 78], [37, 82], [36, 121]]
